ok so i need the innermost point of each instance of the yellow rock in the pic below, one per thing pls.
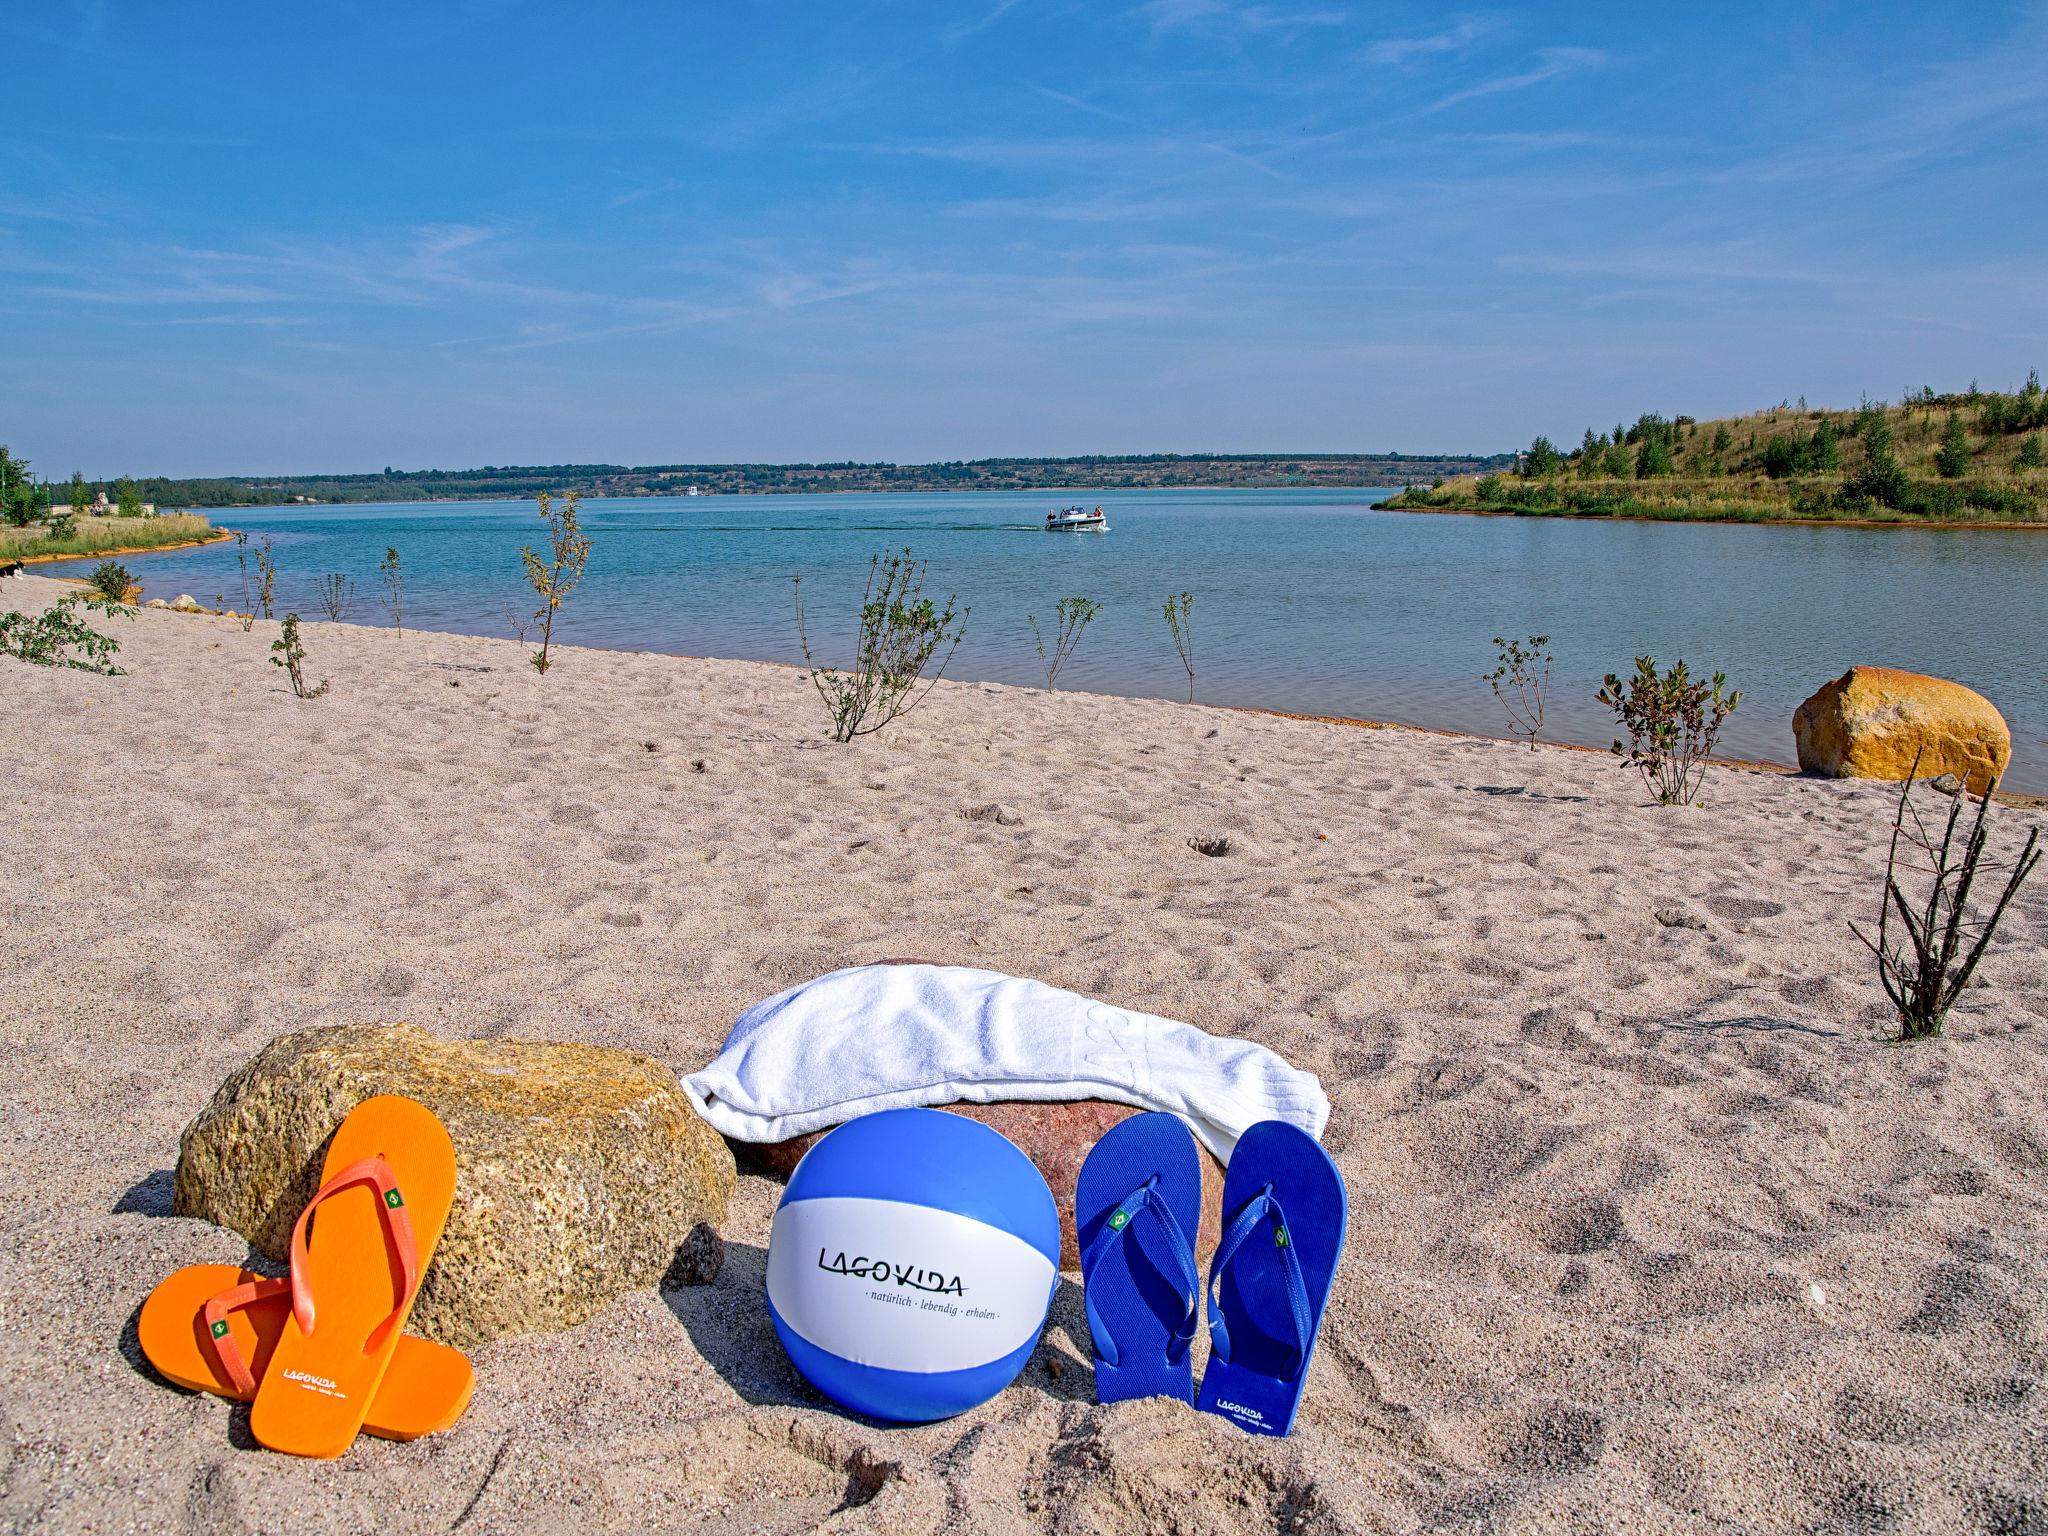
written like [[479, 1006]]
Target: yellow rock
[[579, 1169], [1871, 722]]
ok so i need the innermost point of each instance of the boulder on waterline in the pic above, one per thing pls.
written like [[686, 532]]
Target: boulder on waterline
[[1872, 722], [580, 1169], [185, 602], [1056, 1137]]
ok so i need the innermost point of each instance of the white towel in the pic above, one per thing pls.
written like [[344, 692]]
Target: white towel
[[885, 1036]]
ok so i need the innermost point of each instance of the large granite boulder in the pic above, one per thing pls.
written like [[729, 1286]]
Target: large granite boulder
[[580, 1170], [1871, 722], [1056, 1137]]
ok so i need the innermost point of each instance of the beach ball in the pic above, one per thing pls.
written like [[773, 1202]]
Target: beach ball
[[911, 1264]]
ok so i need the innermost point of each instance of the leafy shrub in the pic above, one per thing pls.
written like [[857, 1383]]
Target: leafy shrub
[[111, 580], [1072, 615], [1936, 500], [1520, 682], [2031, 454], [2008, 500], [1488, 487], [1925, 973], [290, 654], [901, 630], [49, 638], [62, 525], [1672, 720], [555, 576]]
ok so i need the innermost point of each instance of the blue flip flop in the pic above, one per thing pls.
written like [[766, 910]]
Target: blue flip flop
[[1284, 1210], [1137, 1203]]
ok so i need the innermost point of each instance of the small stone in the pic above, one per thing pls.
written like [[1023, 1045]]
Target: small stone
[[156, 602], [1947, 784], [697, 1261], [1000, 814], [1678, 917], [185, 602]]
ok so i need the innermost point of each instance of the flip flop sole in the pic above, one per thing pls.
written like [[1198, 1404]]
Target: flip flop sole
[[425, 1390], [318, 1390], [1134, 1286], [1259, 1386]]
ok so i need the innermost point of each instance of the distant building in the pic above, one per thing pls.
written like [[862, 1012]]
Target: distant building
[[102, 507]]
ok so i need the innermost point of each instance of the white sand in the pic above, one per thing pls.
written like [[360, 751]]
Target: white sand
[[1648, 1232]]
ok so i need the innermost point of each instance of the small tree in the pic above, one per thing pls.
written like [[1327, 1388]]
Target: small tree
[[81, 495], [393, 577], [1542, 459], [901, 630], [1953, 461], [1672, 720], [1824, 453], [128, 498], [20, 503], [1653, 458], [337, 592], [1925, 973], [290, 654], [555, 577], [2031, 455], [1180, 609], [1072, 615], [1520, 682], [248, 613]]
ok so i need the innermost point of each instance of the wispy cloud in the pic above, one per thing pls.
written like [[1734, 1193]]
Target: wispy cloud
[[1550, 64], [959, 32], [1407, 50], [1222, 17]]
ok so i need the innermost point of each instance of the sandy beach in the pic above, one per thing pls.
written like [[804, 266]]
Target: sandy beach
[[1650, 1230]]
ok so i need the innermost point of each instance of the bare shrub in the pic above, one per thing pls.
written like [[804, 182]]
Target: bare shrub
[[337, 593], [1072, 615], [1672, 720], [1180, 609], [1520, 682], [900, 631], [1925, 972], [392, 575]]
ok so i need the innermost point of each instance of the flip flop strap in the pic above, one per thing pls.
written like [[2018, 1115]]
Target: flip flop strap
[[1144, 1198], [374, 1171], [220, 1338], [1257, 1209]]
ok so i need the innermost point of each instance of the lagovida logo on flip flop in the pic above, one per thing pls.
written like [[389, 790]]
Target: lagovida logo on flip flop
[[909, 1276], [314, 1383]]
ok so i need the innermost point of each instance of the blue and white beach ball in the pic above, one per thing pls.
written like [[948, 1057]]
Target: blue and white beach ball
[[912, 1263]]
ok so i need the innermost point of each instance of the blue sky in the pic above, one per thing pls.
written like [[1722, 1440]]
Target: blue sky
[[255, 238]]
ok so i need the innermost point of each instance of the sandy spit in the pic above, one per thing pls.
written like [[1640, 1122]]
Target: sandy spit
[[1650, 1232]]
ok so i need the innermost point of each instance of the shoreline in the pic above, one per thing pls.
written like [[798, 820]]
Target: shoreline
[[218, 535], [1767, 521]]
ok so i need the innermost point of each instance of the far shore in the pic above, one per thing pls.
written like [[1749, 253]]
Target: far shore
[[1749, 517]]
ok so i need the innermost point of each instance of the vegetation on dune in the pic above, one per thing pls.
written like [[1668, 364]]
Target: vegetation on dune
[[1673, 720], [552, 576], [290, 653], [1976, 456]]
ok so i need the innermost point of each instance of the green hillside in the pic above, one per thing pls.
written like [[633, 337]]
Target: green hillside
[[1978, 456]]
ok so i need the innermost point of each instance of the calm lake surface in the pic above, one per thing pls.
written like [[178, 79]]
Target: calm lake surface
[[1304, 600]]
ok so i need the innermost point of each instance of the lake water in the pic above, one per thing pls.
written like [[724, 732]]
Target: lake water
[[1304, 600]]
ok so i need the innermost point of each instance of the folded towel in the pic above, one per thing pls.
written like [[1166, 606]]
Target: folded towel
[[883, 1036]]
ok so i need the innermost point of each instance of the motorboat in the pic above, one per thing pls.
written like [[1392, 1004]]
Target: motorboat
[[1076, 520]]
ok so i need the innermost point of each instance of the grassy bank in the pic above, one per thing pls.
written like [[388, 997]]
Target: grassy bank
[[1972, 458], [109, 536]]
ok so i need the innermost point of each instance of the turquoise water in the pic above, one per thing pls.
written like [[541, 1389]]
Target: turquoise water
[[1304, 600]]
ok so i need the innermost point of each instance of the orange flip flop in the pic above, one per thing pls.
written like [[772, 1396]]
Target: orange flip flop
[[384, 1196], [212, 1327]]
